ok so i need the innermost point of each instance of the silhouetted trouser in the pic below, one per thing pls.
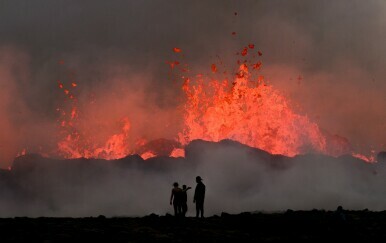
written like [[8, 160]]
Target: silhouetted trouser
[[184, 209], [200, 208], [177, 208]]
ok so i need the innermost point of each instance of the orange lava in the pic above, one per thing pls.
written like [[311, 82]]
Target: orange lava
[[147, 155], [78, 144], [177, 152], [245, 109], [368, 159], [250, 112], [75, 142]]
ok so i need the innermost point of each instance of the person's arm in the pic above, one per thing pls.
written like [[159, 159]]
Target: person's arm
[[184, 190], [171, 197], [194, 198]]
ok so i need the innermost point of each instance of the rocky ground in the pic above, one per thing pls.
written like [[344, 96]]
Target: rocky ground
[[313, 226]]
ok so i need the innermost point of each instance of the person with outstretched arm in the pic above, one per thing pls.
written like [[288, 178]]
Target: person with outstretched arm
[[184, 199]]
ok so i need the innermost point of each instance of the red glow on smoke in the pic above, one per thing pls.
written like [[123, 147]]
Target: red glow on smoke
[[244, 108]]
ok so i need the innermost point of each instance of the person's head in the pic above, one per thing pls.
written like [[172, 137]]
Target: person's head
[[175, 184], [184, 187], [198, 179]]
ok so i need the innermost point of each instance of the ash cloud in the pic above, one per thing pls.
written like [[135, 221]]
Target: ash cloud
[[337, 48]]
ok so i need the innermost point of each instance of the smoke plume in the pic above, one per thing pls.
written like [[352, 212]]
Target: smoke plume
[[237, 178]]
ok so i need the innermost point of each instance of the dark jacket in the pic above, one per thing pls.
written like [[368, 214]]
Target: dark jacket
[[199, 193]]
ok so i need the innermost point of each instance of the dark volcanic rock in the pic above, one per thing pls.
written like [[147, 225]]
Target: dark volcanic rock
[[296, 226], [198, 149]]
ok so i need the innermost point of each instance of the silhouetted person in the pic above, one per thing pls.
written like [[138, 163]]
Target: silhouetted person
[[339, 215], [339, 224], [176, 199], [184, 199], [199, 196]]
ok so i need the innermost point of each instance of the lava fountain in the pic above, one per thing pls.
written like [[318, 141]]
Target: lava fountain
[[243, 107], [252, 112]]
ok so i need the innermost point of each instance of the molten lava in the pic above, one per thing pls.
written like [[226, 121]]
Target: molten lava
[[76, 142], [250, 112], [245, 109]]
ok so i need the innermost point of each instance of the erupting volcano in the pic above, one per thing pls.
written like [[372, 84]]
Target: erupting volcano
[[241, 107], [276, 105]]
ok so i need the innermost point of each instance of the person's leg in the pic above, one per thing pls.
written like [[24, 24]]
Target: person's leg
[[202, 209], [197, 209], [175, 209], [184, 209]]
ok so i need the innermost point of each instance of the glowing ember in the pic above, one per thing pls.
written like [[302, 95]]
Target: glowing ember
[[214, 68], [177, 50], [244, 52], [22, 152], [256, 65], [172, 64]]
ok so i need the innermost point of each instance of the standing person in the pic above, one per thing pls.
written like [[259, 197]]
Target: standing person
[[184, 199], [175, 199], [199, 196]]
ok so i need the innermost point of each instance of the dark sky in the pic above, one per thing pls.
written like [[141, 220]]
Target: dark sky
[[337, 47]]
